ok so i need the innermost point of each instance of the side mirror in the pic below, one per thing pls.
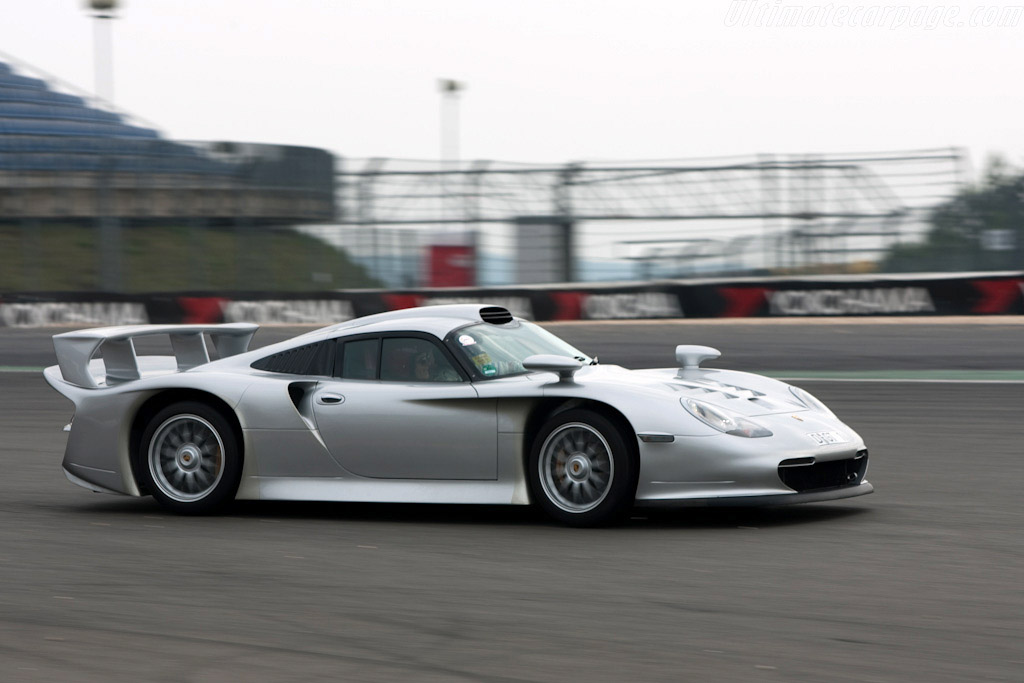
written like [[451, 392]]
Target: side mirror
[[690, 357], [563, 365]]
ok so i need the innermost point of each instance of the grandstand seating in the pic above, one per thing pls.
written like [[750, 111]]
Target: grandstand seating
[[62, 158], [45, 130]]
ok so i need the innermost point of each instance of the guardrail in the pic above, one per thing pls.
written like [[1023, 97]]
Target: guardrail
[[836, 296]]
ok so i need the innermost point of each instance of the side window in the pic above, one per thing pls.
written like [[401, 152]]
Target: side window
[[408, 359], [359, 359], [311, 359]]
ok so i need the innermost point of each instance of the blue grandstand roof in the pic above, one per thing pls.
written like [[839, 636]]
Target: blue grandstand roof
[[42, 129]]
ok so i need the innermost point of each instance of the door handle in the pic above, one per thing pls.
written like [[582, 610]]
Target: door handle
[[328, 399]]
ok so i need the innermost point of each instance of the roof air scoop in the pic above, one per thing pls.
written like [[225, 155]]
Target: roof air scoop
[[690, 358], [496, 315]]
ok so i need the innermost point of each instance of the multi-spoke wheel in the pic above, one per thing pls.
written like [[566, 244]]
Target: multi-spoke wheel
[[581, 469], [189, 457]]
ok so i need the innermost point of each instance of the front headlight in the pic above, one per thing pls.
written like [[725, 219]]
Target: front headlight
[[723, 420], [808, 400]]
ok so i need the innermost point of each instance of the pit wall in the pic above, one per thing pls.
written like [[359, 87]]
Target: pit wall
[[911, 295]]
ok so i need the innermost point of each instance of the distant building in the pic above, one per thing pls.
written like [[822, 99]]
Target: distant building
[[62, 159]]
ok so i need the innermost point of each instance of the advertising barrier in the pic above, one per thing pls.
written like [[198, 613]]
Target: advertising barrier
[[955, 294]]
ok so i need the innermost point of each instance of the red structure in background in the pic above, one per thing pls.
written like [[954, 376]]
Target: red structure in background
[[451, 265]]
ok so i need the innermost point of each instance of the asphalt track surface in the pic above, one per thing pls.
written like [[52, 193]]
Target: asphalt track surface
[[921, 581]]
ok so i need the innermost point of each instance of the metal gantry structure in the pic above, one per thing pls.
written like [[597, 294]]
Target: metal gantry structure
[[648, 219]]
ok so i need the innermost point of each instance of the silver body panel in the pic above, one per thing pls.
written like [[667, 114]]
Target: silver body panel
[[428, 431], [460, 442]]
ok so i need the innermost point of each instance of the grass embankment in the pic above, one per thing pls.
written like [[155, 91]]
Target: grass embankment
[[165, 258]]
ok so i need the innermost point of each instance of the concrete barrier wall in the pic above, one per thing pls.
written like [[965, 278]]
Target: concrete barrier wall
[[916, 295]]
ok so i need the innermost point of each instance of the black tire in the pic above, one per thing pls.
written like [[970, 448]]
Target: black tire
[[581, 469], [189, 458]]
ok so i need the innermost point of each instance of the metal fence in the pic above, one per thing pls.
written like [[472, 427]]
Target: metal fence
[[603, 221]]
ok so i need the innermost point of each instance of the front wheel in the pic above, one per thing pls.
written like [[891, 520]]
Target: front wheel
[[582, 471], [190, 459]]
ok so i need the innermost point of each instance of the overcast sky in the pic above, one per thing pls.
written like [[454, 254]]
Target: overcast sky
[[554, 80]]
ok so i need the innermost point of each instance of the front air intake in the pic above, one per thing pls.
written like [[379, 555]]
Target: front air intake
[[801, 476], [495, 315]]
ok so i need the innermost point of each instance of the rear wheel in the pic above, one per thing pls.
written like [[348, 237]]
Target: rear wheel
[[190, 458], [582, 471]]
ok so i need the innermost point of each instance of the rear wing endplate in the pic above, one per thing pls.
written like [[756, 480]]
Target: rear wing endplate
[[75, 350]]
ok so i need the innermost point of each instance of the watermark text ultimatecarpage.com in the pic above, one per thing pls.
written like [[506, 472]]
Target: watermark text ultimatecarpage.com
[[779, 14]]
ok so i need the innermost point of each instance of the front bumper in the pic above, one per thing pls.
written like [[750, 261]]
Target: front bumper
[[787, 467]]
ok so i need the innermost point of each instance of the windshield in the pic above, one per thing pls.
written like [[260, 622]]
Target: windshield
[[499, 351]]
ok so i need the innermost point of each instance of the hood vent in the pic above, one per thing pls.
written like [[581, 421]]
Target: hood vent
[[728, 390], [495, 315]]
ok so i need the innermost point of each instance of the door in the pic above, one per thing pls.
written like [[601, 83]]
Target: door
[[416, 418]]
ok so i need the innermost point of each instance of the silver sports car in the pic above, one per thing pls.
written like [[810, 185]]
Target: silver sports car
[[445, 404]]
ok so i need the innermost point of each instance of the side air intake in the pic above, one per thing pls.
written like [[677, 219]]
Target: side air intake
[[495, 315]]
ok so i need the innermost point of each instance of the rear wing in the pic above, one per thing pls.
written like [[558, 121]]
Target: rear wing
[[75, 350]]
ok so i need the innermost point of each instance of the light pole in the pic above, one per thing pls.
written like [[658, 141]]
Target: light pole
[[451, 189], [109, 226], [103, 11], [450, 90]]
